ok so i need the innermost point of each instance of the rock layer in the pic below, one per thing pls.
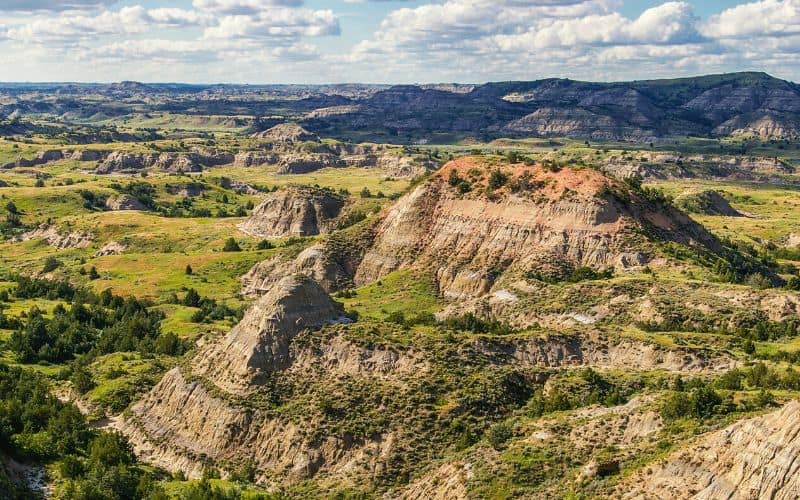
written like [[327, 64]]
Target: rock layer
[[468, 240], [295, 211], [259, 345], [751, 459]]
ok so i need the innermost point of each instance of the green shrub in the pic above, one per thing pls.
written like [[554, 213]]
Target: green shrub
[[231, 246]]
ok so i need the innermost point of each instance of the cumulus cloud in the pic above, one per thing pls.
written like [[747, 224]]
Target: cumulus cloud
[[242, 7], [81, 26], [466, 40], [278, 23], [765, 18]]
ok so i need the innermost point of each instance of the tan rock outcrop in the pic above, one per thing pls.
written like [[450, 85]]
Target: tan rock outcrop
[[59, 240], [111, 248], [469, 240], [755, 458], [287, 132], [124, 202], [259, 344], [295, 211]]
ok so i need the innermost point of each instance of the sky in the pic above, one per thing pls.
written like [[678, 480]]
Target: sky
[[393, 41]]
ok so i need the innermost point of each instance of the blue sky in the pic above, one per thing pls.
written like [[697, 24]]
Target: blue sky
[[393, 41]]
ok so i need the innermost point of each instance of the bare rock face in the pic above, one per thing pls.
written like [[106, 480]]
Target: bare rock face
[[186, 190], [295, 211], [287, 132], [124, 202], [752, 459], [470, 239], [315, 261], [59, 240], [171, 162], [193, 414], [304, 163], [88, 155], [53, 155], [255, 159], [597, 350], [111, 248], [259, 344], [577, 122]]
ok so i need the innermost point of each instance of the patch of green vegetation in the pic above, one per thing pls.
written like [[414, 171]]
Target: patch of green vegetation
[[405, 293]]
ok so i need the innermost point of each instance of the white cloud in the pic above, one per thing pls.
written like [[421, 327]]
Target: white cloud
[[466, 40], [765, 18], [81, 26], [242, 7], [277, 23]]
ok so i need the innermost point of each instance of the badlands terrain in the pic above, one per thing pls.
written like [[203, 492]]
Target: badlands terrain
[[549, 289]]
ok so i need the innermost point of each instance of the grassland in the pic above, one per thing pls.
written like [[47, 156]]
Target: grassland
[[158, 250]]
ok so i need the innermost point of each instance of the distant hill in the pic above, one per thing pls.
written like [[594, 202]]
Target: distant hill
[[734, 104], [710, 106]]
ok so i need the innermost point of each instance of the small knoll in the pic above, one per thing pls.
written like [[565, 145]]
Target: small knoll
[[111, 248], [706, 202], [755, 458], [477, 220], [295, 211], [287, 132]]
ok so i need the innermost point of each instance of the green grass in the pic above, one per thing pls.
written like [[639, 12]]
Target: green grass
[[175, 488], [178, 321], [120, 377], [773, 211], [402, 291]]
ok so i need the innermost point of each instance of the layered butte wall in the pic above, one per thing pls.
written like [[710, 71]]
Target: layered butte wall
[[470, 236]]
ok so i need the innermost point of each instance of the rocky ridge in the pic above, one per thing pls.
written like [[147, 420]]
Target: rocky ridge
[[58, 239]]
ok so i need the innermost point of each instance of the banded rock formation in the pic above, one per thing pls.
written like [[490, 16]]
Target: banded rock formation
[[259, 344], [751, 459], [469, 240], [295, 211]]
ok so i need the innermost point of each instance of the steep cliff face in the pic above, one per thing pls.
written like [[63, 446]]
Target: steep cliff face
[[180, 425], [471, 235], [287, 132], [124, 202], [171, 162], [316, 261], [259, 344], [751, 459], [295, 211]]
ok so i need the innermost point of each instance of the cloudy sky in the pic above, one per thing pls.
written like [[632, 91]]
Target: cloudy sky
[[393, 41]]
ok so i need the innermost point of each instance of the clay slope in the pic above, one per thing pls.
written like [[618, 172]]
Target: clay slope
[[751, 459], [259, 344], [538, 220], [706, 202], [295, 211], [199, 412]]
